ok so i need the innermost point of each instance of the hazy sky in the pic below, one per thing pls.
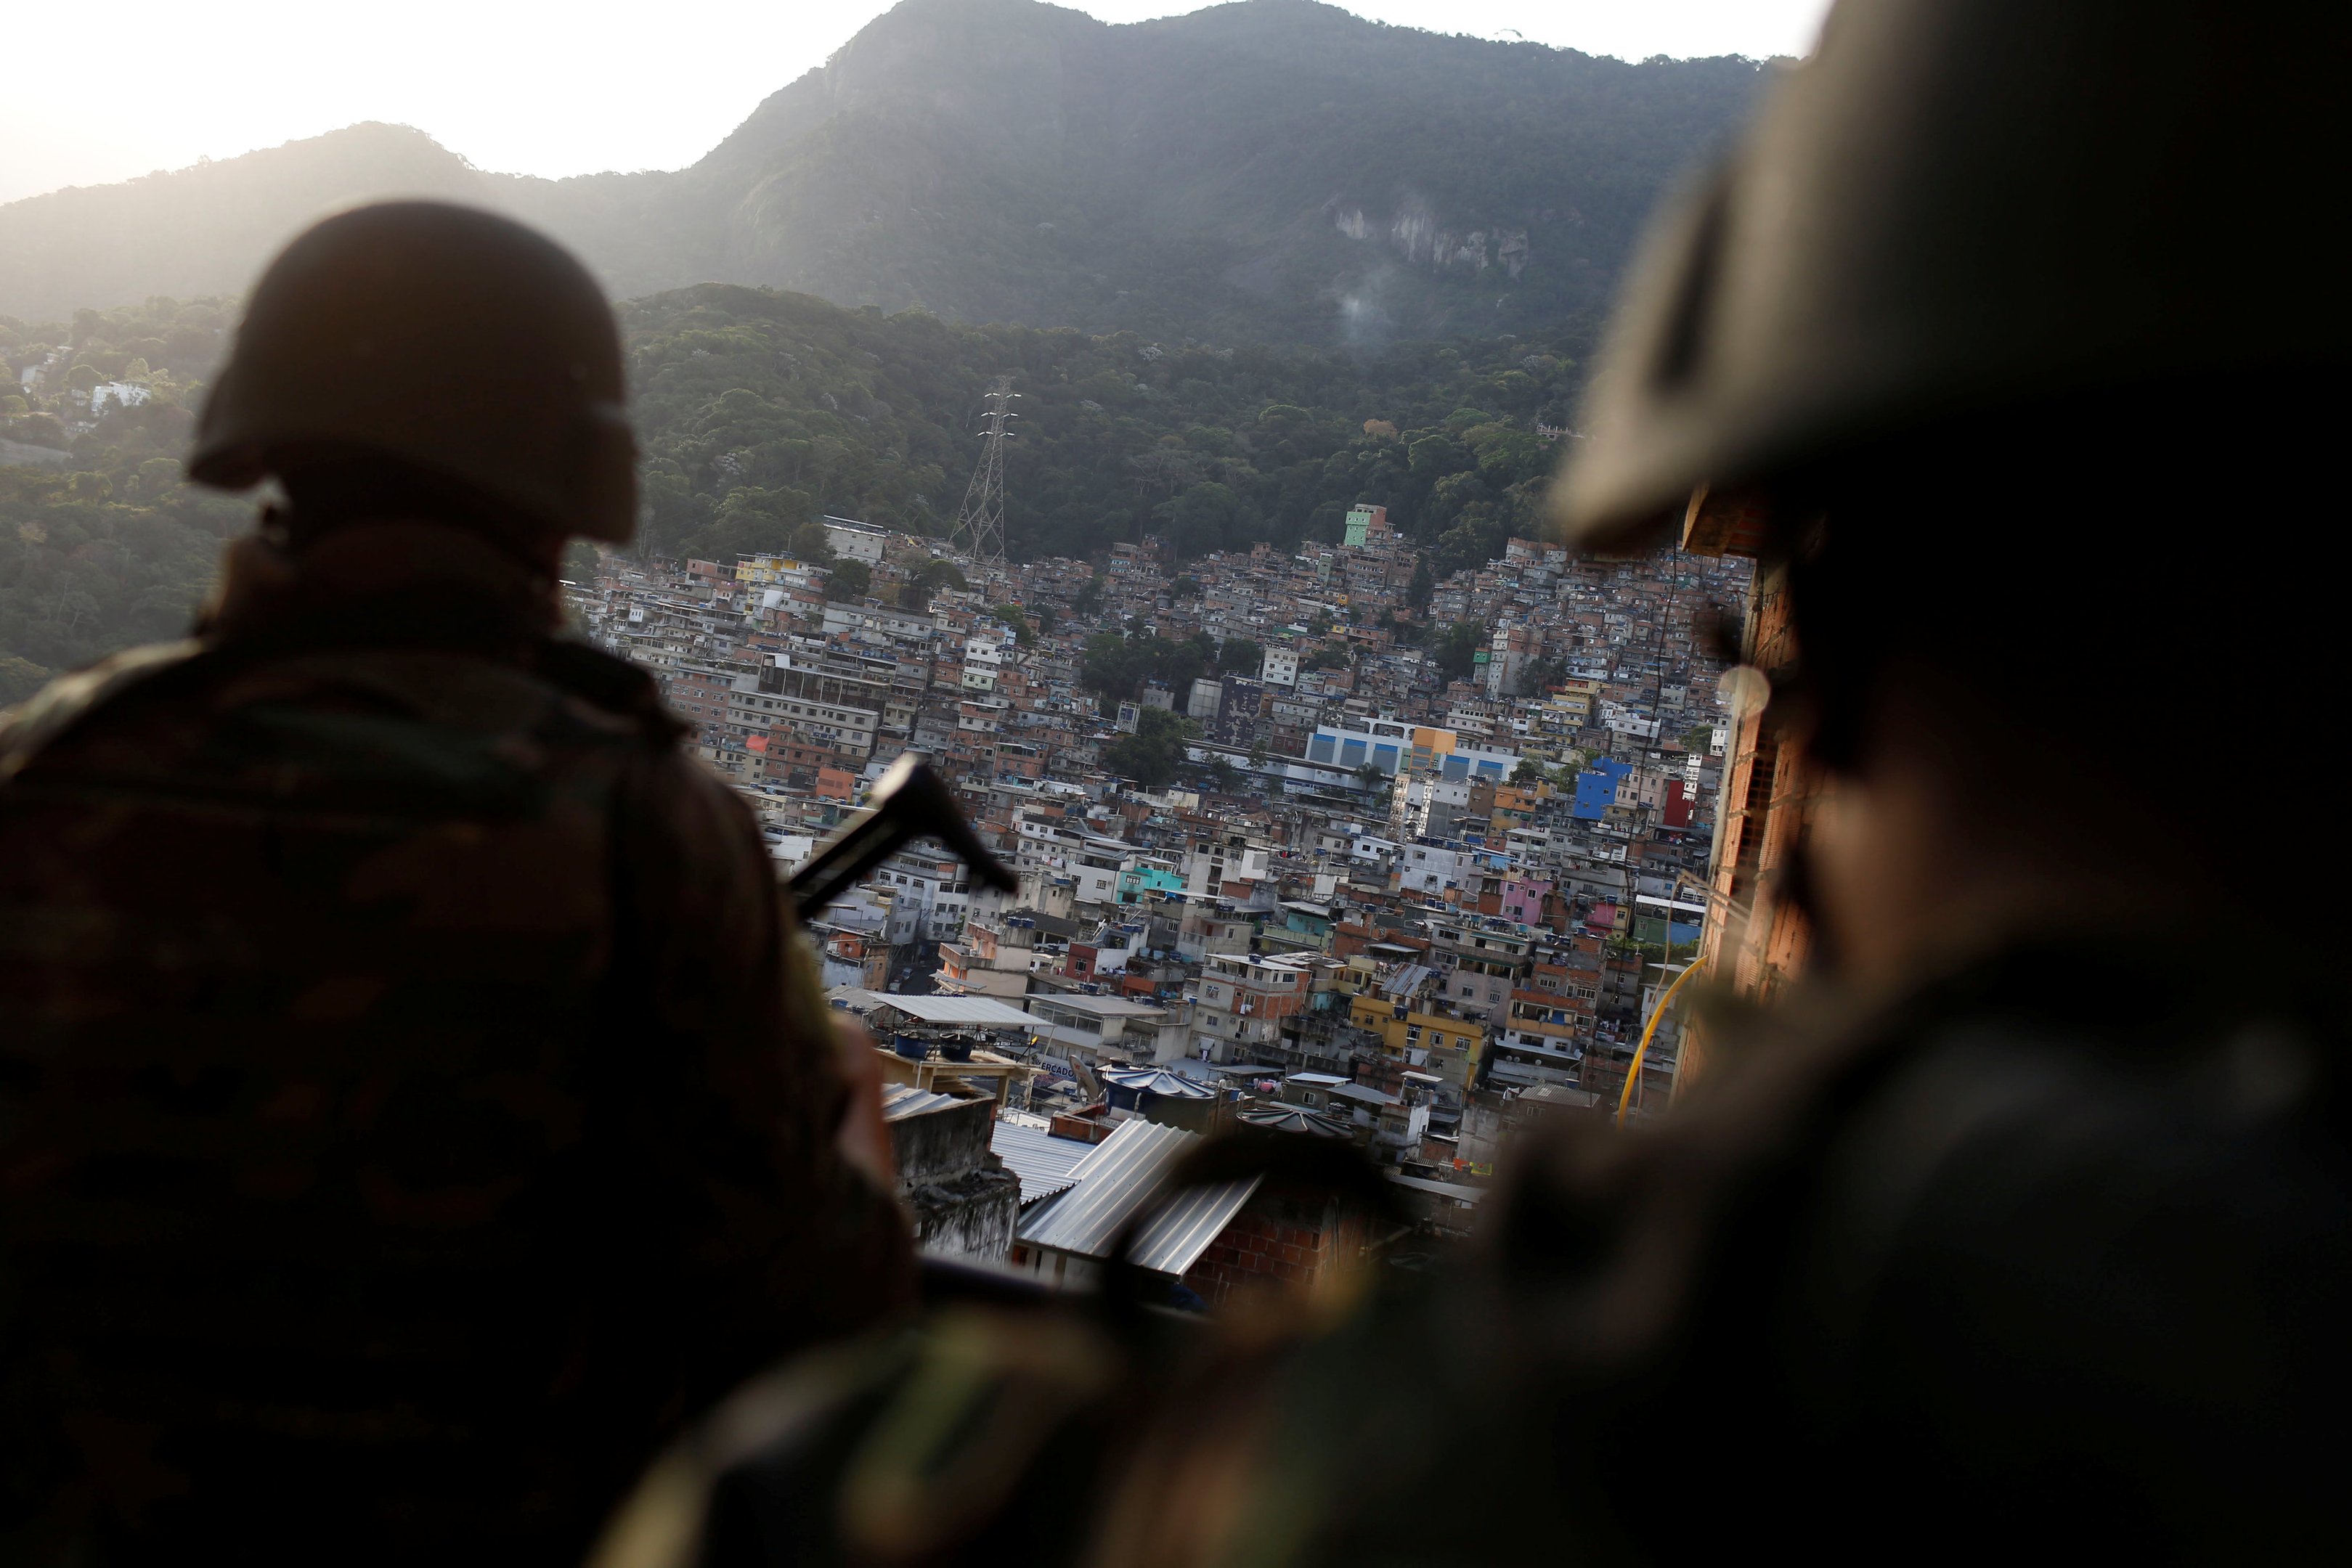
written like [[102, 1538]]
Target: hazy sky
[[104, 92]]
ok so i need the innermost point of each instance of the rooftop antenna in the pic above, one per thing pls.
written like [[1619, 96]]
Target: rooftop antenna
[[980, 522]]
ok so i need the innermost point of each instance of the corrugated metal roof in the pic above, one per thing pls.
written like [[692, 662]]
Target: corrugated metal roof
[[940, 1010], [1158, 1081], [1407, 980], [1291, 1119], [1113, 1184], [1042, 1161], [1178, 1235], [1110, 1184], [900, 1100]]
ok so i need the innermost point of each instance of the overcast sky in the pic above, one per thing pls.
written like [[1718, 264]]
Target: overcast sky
[[108, 91]]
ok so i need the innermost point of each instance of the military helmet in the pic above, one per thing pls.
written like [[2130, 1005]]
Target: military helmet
[[445, 338], [1961, 207]]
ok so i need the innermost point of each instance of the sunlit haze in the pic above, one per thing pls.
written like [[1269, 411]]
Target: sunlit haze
[[138, 85]]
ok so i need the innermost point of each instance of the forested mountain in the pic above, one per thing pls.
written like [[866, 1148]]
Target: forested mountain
[[1272, 169], [759, 409]]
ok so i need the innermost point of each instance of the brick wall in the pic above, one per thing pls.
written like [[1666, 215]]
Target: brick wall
[[1278, 1239]]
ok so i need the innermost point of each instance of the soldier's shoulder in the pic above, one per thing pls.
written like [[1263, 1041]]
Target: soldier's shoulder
[[64, 702], [607, 683], [694, 803]]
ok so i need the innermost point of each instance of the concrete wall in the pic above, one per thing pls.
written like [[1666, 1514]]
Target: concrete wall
[[962, 1201], [942, 1144], [972, 1216]]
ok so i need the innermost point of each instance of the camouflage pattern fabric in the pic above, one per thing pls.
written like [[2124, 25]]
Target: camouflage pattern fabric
[[2050, 1256], [2051, 1259], [413, 1104]]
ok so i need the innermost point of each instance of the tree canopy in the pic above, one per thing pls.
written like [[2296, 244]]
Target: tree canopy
[[1115, 667], [1154, 754], [760, 410], [1456, 648], [102, 544]]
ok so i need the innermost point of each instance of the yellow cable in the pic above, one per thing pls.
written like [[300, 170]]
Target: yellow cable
[[1633, 1074]]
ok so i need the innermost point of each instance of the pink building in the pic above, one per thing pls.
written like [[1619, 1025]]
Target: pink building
[[1523, 900]]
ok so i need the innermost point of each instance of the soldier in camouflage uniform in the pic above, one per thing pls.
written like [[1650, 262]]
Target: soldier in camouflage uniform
[[2024, 1230], [414, 1100]]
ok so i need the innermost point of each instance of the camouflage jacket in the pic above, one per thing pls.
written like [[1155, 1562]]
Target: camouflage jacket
[[414, 1102]]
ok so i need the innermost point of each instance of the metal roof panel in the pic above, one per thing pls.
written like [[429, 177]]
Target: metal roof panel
[[1109, 1186], [1174, 1239], [902, 1100], [1042, 1161], [985, 1010], [1158, 1081]]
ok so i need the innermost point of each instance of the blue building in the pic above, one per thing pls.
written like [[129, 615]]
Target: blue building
[[1383, 743], [1394, 748], [1596, 788]]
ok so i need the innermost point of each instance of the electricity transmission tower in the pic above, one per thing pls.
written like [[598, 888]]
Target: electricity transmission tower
[[980, 524]]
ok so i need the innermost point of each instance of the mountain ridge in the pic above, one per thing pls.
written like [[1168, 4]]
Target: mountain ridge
[[1267, 169]]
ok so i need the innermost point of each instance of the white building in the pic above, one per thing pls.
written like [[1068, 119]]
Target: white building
[[1089, 1029], [931, 891], [122, 395], [1279, 668], [1240, 1003], [1207, 869], [1427, 868], [853, 540]]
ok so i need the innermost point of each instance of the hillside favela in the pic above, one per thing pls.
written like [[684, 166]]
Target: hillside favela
[[1244, 787]]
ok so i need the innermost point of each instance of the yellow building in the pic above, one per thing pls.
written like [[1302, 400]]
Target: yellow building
[[1431, 1040], [766, 570], [1355, 976], [1572, 703]]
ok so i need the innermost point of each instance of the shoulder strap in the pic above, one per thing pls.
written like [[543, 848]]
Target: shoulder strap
[[587, 673], [67, 700]]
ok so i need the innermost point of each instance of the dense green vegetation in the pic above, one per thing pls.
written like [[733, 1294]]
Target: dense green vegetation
[[1154, 754], [759, 410], [1115, 667], [102, 546]]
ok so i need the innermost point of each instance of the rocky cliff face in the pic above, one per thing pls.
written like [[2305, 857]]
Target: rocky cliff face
[[1419, 237]]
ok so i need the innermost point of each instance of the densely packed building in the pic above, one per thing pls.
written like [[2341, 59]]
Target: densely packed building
[[1409, 875]]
